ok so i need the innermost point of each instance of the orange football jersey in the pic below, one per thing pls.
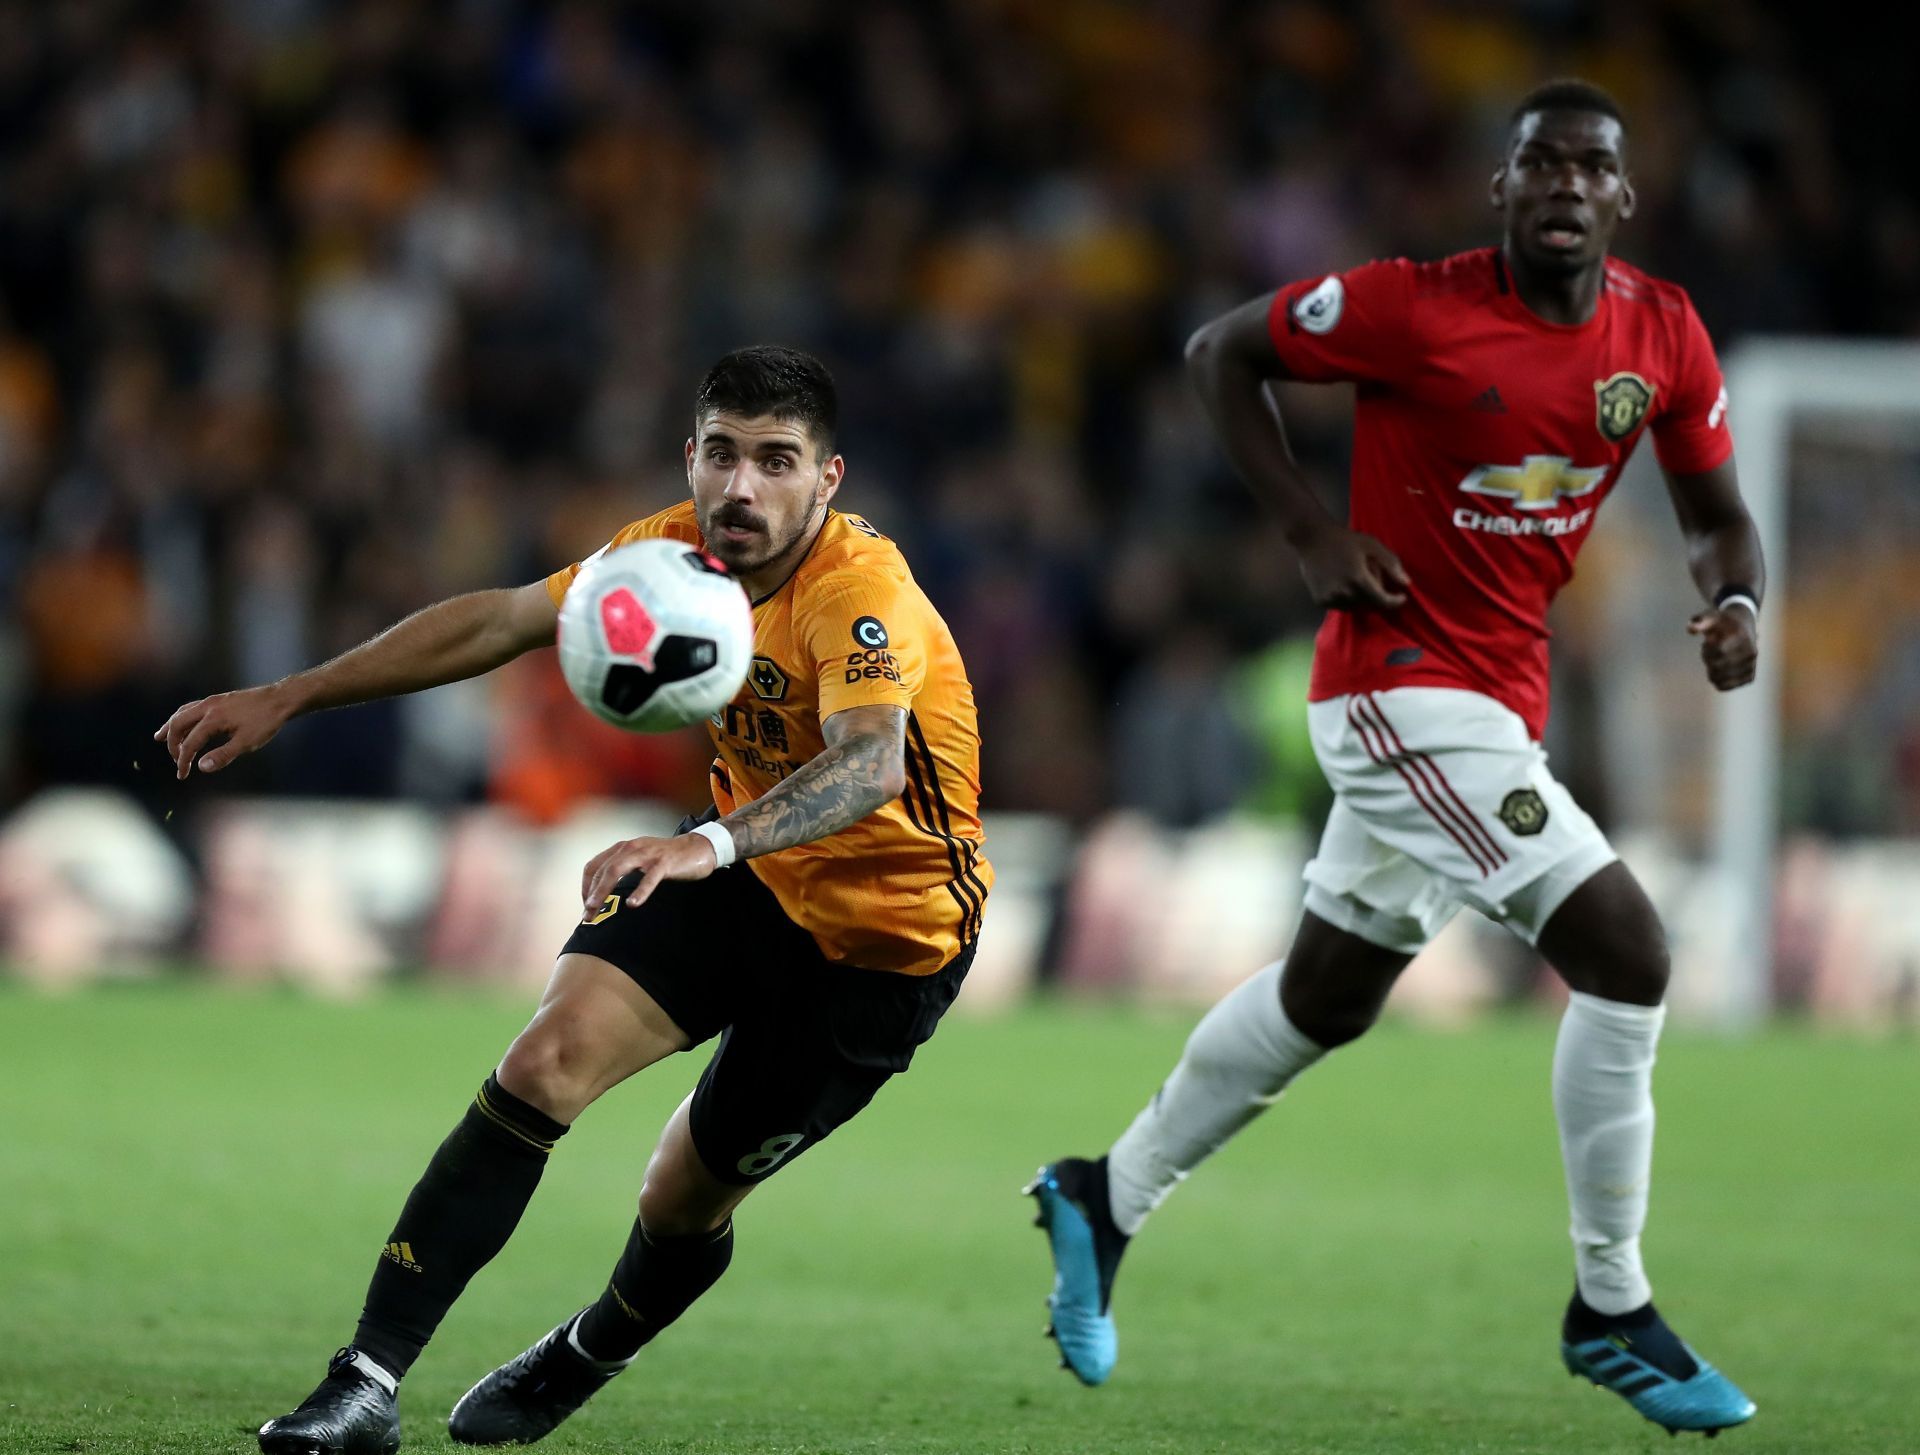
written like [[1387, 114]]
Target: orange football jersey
[[903, 889]]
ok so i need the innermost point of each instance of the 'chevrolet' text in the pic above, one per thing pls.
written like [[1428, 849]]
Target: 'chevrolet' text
[[1467, 518]]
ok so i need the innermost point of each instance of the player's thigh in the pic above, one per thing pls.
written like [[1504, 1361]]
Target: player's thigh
[[697, 947], [636, 983], [810, 1059], [595, 1027], [1451, 780]]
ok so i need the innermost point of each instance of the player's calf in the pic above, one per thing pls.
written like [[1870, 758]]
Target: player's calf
[[458, 1216]]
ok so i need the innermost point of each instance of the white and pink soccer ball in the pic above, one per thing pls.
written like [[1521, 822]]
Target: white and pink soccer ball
[[655, 635]]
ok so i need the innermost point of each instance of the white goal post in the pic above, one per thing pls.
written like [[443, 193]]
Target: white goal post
[[1771, 381]]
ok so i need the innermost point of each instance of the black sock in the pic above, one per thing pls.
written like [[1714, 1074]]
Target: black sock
[[655, 1281], [1584, 1322], [1645, 1332], [459, 1214]]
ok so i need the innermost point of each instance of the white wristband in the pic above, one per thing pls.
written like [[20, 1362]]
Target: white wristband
[[1740, 598], [722, 841]]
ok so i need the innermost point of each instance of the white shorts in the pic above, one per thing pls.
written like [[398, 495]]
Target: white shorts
[[1441, 800]]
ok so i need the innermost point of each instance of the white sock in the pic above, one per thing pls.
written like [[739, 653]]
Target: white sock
[[605, 1366], [376, 1371], [1238, 1060], [1603, 1098]]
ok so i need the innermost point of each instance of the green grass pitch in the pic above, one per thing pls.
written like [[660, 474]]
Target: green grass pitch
[[194, 1184]]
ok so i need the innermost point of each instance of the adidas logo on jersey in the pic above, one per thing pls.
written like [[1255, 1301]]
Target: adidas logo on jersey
[[401, 1253], [1489, 401]]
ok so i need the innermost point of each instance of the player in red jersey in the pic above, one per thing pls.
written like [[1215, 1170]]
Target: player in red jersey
[[1500, 393]]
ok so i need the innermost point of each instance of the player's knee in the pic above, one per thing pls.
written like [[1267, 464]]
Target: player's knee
[[1636, 969], [671, 1213], [548, 1069], [1326, 1009], [680, 1197], [1621, 956], [1329, 1026], [681, 1202]]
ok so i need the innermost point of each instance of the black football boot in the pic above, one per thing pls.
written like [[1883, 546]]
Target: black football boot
[[351, 1413]]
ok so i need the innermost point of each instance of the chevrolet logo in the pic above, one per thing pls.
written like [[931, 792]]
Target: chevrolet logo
[[1540, 482]]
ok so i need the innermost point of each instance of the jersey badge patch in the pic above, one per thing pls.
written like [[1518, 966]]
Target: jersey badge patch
[[870, 632], [1620, 403], [1524, 812], [1319, 310], [767, 680]]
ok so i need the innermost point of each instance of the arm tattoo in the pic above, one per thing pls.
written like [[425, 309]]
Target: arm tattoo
[[824, 795]]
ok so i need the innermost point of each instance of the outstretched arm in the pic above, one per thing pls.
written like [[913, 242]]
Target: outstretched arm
[[446, 642], [1723, 553], [1230, 362], [863, 768]]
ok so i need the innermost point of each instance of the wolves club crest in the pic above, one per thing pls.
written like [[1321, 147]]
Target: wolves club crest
[[767, 680]]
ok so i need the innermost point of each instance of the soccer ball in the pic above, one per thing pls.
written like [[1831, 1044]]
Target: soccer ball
[[655, 635]]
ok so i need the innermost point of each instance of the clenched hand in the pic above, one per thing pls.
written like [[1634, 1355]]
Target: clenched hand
[[1348, 571], [1729, 645]]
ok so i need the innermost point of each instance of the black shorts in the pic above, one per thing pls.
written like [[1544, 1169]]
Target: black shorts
[[804, 1043]]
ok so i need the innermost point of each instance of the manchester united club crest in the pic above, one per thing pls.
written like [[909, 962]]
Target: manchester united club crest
[[1524, 812], [1620, 403]]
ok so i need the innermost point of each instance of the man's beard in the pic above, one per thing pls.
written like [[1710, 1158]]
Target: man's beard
[[743, 556]]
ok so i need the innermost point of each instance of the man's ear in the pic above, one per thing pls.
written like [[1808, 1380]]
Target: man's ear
[[1629, 199], [1497, 188], [831, 474]]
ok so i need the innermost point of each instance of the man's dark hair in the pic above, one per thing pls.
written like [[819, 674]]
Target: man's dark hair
[[769, 380], [1565, 95]]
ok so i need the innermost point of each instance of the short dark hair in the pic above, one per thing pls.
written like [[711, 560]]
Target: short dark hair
[[767, 379], [1565, 95]]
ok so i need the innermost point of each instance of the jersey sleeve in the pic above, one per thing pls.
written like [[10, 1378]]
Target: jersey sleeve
[[1356, 325], [652, 527], [866, 635], [1690, 435]]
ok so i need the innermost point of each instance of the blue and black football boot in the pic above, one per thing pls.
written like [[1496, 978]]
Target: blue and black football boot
[[1073, 1208], [1649, 1366]]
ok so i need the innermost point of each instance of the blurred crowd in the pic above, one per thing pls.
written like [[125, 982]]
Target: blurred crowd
[[313, 313]]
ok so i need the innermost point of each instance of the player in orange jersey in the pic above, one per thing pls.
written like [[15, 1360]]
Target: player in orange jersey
[[819, 919]]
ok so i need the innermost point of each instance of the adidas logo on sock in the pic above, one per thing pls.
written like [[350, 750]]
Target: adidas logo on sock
[[1489, 401], [401, 1253]]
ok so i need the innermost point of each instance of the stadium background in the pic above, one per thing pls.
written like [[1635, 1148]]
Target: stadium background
[[313, 313]]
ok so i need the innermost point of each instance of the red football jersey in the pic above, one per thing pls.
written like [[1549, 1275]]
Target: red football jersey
[[1485, 439]]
